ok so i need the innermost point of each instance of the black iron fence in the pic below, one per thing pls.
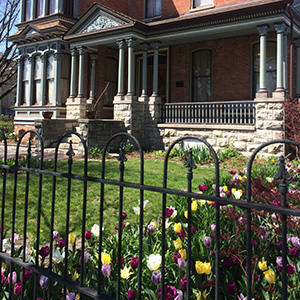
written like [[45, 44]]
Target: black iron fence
[[229, 112], [41, 264]]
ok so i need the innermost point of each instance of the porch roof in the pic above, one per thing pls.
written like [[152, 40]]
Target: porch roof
[[224, 21]]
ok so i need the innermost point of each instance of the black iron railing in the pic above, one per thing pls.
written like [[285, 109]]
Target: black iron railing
[[63, 277], [229, 112]]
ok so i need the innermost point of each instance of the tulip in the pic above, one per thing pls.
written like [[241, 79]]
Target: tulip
[[177, 227], [86, 256], [106, 270], [156, 277], [13, 278], [72, 237], [203, 267], [55, 235], [124, 215], [134, 262], [194, 205], [179, 295], [18, 288], [154, 262], [202, 187], [183, 253], [27, 275], [151, 229], [44, 251], [95, 230], [125, 273], [176, 256], [177, 244], [61, 243], [270, 276], [262, 265], [183, 283], [70, 296], [207, 241], [105, 258], [131, 295], [182, 233], [44, 281], [294, 251], [181, 263], [231, 287], [88, 235]]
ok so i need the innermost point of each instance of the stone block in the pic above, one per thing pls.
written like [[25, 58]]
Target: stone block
[[246, 137], [260, 125], [273, 125], [217, 133], [240, 146]]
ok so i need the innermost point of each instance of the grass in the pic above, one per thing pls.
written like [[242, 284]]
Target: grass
[[153, 175]]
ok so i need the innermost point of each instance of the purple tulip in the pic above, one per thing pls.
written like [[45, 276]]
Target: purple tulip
[[179, 295], [18, 288], [295, 241], [183, 283], [213, 227], [86, 256], [176, 256], [55, 235], [44, 251], [13, 277], [254, 244], [44, 281], [202, 187], [106, 270], [134, 262], [207, 241], [70, 296], [131, 295], [231, 287], [88, 235], [294, 251], [193, 229], [151, 229], [61, 243], [122, 260], [232, 172], [182, 233], [170, 292], [124, 215], [156, 277], [27, 275], [279, 245], [181, 263], [169, 212], [290, 269]]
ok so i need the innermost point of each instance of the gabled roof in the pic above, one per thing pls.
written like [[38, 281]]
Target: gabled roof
[[100, 17]]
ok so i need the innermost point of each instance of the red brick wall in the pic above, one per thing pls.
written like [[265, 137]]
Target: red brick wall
[[21, 128], [231, 69]]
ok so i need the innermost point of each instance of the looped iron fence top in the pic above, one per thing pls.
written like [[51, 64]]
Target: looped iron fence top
[[63, 279]]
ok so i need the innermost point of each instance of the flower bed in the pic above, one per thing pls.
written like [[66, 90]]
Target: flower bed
[[266, 249]]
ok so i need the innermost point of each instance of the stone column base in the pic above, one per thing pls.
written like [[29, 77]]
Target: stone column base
[[76, 108]]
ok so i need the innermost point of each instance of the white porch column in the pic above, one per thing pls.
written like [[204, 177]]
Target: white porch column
[[43, 79], [73, 73], [19, 81], [130, 43], [31, 73], [145, 48], [93, 76], [121, 45], [81, 52], [280, 28], [297, 44], [57, 79], [285, 60], [155, 46], [263, 30]]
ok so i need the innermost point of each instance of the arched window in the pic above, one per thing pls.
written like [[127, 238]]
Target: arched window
[[201, 75], [153, 8], [270, 67], [37, 80]]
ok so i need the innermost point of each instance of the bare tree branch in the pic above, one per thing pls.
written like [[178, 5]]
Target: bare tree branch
[[9, 10]]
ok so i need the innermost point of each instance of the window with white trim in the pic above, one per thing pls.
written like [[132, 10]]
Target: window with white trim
[[50, 78], [25, 81], [201, 3], [153, 8], [37, 80]]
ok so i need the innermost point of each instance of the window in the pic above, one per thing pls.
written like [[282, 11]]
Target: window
[[40, 8], [27, 10], [25, 81], [68, 7], [65, 78], [50, 79], [270, 67], [153, 8], [201, 3], [52, 7], [201, 75], [37, 80]]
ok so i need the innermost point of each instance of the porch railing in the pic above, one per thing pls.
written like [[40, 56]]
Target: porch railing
[[233, 112]]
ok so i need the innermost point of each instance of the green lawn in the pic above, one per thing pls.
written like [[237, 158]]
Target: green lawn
[[153, 176]]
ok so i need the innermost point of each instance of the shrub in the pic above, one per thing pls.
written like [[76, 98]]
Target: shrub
[[6, 125]]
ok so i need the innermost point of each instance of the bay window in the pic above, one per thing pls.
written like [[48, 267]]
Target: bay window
[[153, 8], [50, 87], [25, 81], [37, 80]]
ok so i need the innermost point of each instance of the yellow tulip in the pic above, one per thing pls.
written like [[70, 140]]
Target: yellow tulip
[[177, 227], [125, 273], [186, 214], [203, 267], [105, 258], [262, 265], [72, 237], [202, 202], [177, 244], [75, 276], [182, 253], [270, 276], [194, 205], [225, 188]]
